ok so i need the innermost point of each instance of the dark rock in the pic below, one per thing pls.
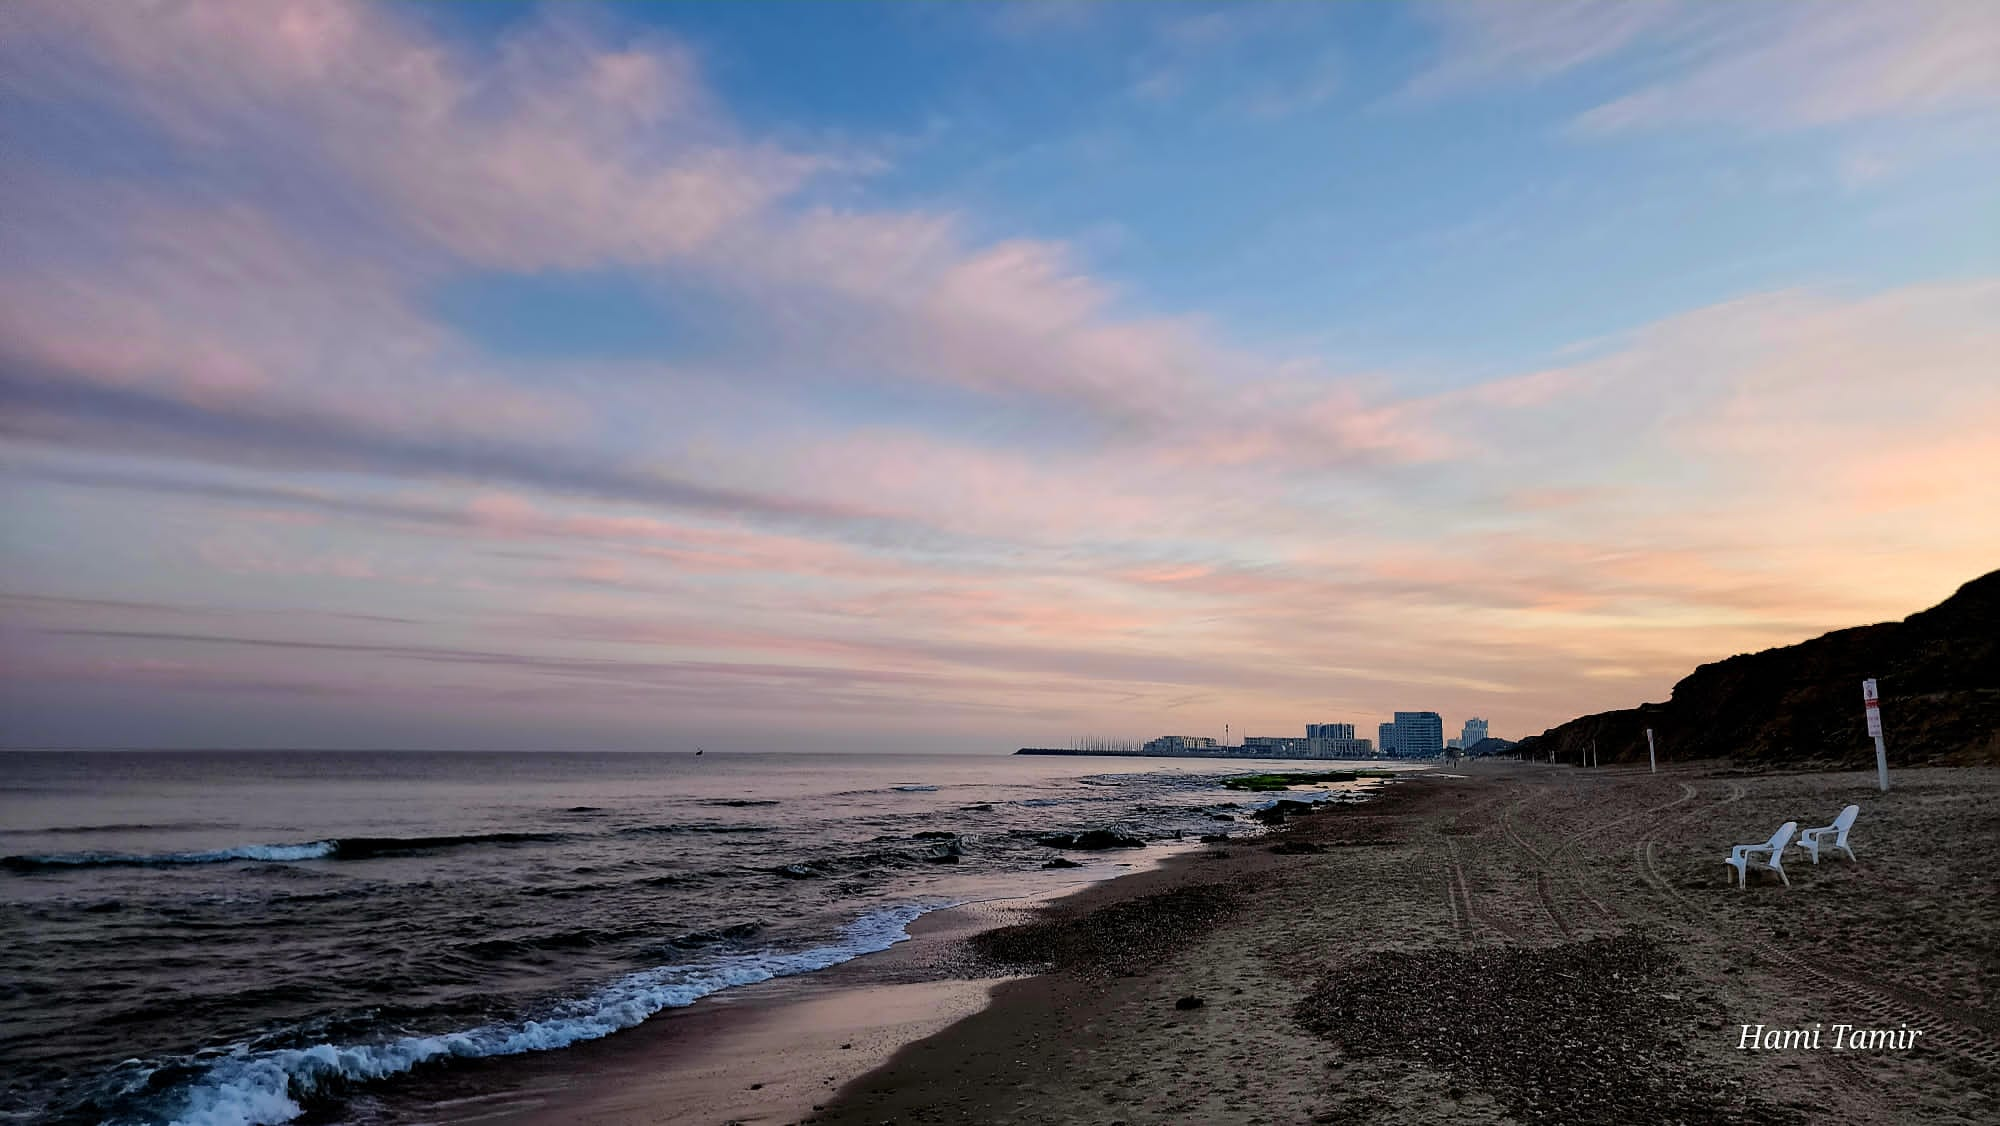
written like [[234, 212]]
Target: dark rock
[[1220, 817], [1093, 839], [934, 835], [1189, 1002], [944, 852], [1214, 838], [1060, 862]]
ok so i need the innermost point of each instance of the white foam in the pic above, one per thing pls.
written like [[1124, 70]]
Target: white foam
[[308, 850], [263, 1088]]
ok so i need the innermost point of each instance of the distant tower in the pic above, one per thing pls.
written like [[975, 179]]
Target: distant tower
[[1475, 730]]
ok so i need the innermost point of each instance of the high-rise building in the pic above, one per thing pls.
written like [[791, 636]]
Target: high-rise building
[[1475, 730], [1419, 734], [1329, 731], [1387, 739]]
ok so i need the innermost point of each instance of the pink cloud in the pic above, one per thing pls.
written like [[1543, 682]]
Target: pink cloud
[[1761, 66]]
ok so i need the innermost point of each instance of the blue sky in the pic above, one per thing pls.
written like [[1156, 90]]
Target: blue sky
[[958, 376]]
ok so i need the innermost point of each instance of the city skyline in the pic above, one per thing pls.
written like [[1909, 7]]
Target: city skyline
[[960, 377]]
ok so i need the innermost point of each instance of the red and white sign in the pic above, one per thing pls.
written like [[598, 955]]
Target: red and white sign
[[1874, 705]]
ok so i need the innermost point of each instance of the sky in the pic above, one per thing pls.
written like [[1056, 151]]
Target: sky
[[952, 377]]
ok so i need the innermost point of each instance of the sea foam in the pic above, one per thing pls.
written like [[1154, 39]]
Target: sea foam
[[260, 1088], [306, 850], [338, 848]]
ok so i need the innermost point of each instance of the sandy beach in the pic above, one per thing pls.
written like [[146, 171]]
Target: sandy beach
[[1520, 943]]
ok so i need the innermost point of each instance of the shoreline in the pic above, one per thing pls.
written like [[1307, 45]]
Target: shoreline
[[769, 1052]]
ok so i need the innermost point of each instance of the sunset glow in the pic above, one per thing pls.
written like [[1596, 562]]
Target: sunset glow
[[963, 377]]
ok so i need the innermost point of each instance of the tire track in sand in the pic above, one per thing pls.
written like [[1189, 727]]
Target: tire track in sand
[[1945, 1023], [1559, 862]]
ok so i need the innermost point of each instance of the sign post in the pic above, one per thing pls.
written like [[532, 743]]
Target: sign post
[[1652, 756], [1873, 704]]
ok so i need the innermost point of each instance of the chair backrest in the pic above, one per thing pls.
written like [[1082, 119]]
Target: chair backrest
[[1782, 837], [1846, 819]]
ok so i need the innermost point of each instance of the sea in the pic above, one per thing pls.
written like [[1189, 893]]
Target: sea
[[240, 937]]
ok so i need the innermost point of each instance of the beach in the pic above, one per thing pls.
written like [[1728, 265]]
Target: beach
[[1498, 942], [1513, 943]]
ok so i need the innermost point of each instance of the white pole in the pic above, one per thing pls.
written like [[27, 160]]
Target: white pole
[[1652, 757], [1872, 704]]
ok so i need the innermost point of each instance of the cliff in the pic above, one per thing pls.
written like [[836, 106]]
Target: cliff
[[1938, 672]]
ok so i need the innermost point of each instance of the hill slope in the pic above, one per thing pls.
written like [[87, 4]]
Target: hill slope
[[1939, 676]]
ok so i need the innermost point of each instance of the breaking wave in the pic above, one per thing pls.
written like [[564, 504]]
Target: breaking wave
[[259, 1088], [309, 850], [339, 848]]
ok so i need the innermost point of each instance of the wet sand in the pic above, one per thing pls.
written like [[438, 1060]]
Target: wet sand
[[1522, 943], [773, 1052]]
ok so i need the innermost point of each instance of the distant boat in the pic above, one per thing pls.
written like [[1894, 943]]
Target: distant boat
[[697, 752]]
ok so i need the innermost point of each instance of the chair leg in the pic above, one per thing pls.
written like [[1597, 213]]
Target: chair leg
[[1781, 874]]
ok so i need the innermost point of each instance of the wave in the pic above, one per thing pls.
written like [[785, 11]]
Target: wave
[[338, 848], [262, 1088], [133, 827], [308, 850], [361, 848], [691, 827]]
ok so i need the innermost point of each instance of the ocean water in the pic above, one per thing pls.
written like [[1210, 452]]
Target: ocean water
[[223, 938]]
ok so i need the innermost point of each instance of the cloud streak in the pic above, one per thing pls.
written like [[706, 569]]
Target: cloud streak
[[1776, 66], [904, 464]]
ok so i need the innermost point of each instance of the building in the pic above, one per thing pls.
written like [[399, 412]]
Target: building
[[1417, 734], [1387, 740], [1274, 746], [1475, 730], [1454, 744], [1180, 744], [1335, 740]]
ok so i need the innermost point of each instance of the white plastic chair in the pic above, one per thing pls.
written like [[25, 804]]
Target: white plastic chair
[[1812, 839], [1739, 857]]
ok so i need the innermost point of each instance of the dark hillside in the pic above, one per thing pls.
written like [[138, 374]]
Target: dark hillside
[[1938, 673]]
